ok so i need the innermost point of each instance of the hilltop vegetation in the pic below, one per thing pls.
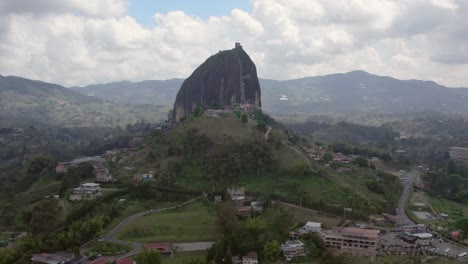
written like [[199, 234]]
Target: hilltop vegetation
[[206, 153]]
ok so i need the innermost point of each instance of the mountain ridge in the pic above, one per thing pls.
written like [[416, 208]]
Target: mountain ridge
[[25, 100]]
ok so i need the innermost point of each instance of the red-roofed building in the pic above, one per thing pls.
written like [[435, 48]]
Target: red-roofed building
[[164, 248], [455, 235], [125, 261]]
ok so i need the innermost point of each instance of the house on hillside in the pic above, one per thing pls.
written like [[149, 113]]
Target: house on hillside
[[341, 158], [102, 173], [163, 248], [377, 219], [61, 168], [86, 191], [292, 249], [250, 258], [237, 193], [243, 211], [311, 227], [144, 177]]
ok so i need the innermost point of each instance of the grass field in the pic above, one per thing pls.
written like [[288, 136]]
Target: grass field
[[191, 223], [453, 209], [183, 257], [134, 207], [303, 215], [221, 130]]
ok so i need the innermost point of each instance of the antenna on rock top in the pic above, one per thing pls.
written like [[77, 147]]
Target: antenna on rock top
[[238, 45]]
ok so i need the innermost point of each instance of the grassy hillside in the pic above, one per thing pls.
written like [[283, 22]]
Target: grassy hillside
[[207, 153]]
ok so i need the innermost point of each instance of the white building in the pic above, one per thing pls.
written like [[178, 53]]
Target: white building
[[423, 238], [311, 227], [251, 258], [293, 248], [237, 193], [86, 191]]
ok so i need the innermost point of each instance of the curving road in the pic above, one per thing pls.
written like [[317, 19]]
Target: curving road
[[138, 247]]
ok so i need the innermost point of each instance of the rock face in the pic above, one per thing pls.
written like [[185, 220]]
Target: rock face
[[227, 79]]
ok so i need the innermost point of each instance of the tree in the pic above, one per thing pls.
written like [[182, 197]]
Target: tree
[[451, 167], [44, 216], [227, 219], [7, 217], [40, 163], [361, 162], [272, 250], [244, 118], [148, 257]]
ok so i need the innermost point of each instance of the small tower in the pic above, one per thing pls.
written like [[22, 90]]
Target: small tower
[[238, 45]]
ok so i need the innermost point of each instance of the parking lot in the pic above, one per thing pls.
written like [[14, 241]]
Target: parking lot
[[392, 242]]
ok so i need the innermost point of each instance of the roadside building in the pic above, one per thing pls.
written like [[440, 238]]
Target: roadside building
[[392, 218], [86, 191], [163, 248], [423, 238], [351, 240]]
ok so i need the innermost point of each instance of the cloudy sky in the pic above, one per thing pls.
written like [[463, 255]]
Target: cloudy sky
[[80, 42]]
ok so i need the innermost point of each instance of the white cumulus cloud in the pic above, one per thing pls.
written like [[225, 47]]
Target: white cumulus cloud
[[82, 42]]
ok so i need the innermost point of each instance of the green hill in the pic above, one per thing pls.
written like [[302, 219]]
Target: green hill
[[207, 153]]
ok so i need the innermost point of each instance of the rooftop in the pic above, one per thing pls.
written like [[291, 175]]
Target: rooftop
[[313, 224], [90, 184], [423, 235], [359, 232], [46, 258], [125, 261], [167, 246], [252, 255]]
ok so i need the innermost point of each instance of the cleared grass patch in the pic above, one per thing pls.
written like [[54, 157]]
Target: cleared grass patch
[[453, 209], [184, 257], [302, 215], [221, 130], [194, 222], [134, 207]]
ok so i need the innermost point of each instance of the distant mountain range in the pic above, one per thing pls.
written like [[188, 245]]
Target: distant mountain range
[[35, 102], [356, 92], [120, 103]]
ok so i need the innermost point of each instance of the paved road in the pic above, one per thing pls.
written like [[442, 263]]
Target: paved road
[[138, 247], [404, 219], [267, 133]]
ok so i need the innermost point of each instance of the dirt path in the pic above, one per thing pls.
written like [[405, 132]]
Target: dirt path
[[267, 133]]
